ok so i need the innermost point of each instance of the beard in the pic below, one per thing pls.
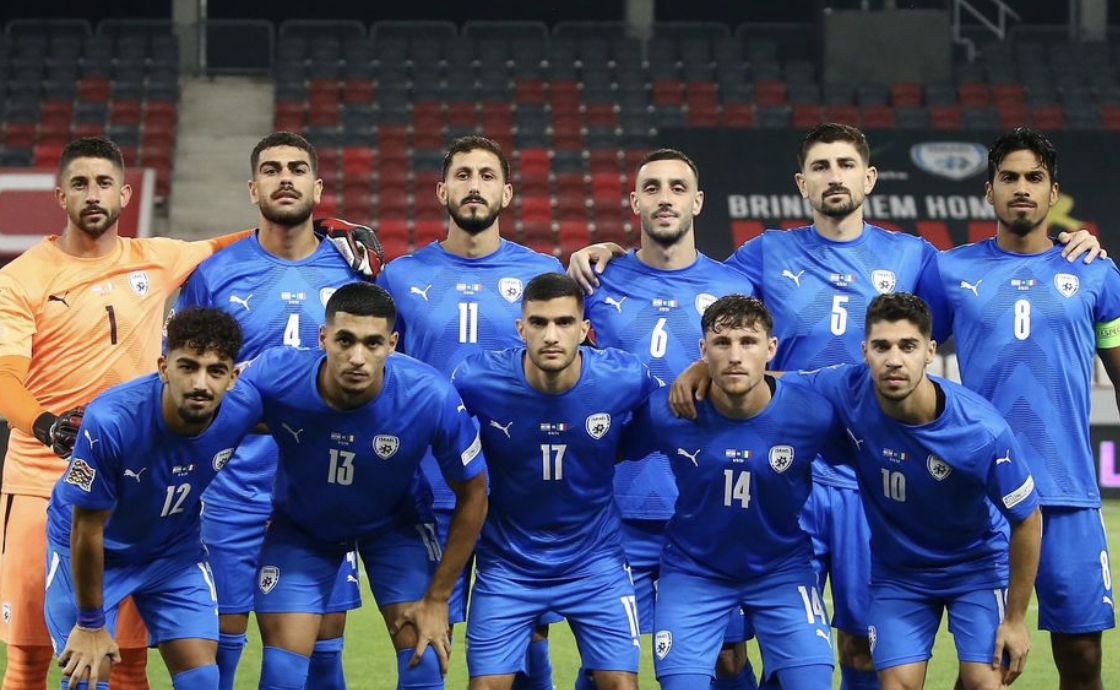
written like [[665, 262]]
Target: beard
[[1021, 225], [289, 216], [473, 221], [193, 416], [842, 210], [666, 238], [96, 229]]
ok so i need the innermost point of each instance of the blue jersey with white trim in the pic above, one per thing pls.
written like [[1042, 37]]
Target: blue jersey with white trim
[[344, 474], [1024, 327], [551, 460], [934, 492], [818, 290], [449, 307], [276, 302], [738, 477], [127, 460], [655, 314]]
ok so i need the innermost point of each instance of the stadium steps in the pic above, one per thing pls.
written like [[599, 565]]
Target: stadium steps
[[220, 121]]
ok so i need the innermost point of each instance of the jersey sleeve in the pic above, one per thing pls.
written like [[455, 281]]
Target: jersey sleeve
[[195, 293], [384, 281], [17, 318], [1009, 481], [748, 261], [182, 257], [931, 288], [639, 438], [90, 480], [1107, 307], [456, 444]]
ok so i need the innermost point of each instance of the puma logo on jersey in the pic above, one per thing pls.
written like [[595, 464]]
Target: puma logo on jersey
[[351, 578], [56, 298], [822, 634], [461, 408], [1108, 601], [857, 441], [786, 273], [616, 303], [1005, 459], [134, 475], [234, 299], [89, 438], [295, 434], [691, 456], [965, 285], [413, 290], [505, 429]]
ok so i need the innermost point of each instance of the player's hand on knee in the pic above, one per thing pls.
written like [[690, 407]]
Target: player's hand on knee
[[429, 619], [585, 265], [86, 650], [59, 433], [1013, 639], [688, 389], [1081, 242]]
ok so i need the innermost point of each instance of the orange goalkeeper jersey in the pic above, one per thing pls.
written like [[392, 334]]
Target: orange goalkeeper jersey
[[85, 324]]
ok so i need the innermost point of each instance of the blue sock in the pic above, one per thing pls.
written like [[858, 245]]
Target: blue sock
[[684, 681], [325, 671], [283, 670], [423, 676], [539, 675], [805, 677], [851, 679], [198, 678], [584, 680], [743, 680], [84, 685], [229, 653]]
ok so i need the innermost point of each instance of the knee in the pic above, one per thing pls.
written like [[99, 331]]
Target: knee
[[540, 633], [1078, 657], [854, 652], [333, 625]]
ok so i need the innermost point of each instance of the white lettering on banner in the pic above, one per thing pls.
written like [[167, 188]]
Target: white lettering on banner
[[880, 206], [959, 208]]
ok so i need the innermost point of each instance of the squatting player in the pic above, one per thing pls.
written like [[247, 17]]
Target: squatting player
[[744, 473], [552, 414], [276, 283], [923, 446], [1027, 325], [352, 424], [649, 303], [124, 518], [81, 312], [463, 295]]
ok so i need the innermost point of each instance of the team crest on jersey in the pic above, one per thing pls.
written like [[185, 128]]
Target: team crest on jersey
[[325, 295], [598, 425], [703, 301], [80, 475], [872, 636], [221, 458], [662, 643], [1067, 284], [781, 458], [386, 446], [510, 289], [138, 281], [938, 468], [883, 280], [7, 613], [268, 578]]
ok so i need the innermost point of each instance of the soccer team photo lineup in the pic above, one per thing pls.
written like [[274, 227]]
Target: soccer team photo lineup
[[647, 441]]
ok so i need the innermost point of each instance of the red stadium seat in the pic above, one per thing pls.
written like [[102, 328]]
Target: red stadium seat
[[906, 95], [974, 95], [878, 117], [48, 155], [842, 113], [600, 115], [538, 231], [666, 92], [806, 115], [603, 161], [945, 117], [124, 113], [529, 91], [1012, 114], [531, 160], [357, 161], [1008, 94], [327, 206], [93, 89], [536, 208], [462, 114], [394, 247], [392, 229], [770, 92], [1049, 117], [1110, 117], [324, 113], [424, 232], [357, 91], [609, 231], [738, 115], [89, 129]]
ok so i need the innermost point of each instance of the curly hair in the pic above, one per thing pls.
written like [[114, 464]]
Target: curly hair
[[204, 329]]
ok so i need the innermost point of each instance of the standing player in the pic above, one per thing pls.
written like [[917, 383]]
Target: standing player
[[744, 472], [352, 424], [921, 447], [462, 296], [650, 303], [552, 414], [1027, 325], [276, 283], [124, 519], [81, 312]]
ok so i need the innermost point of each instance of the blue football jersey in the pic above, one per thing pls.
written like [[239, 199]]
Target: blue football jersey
[[933, 493], [1024, 332], [449, 307], [551, 460], [276, 302], [344, 474], [127, 460], [738, 477], [818, 290], [655, 314]]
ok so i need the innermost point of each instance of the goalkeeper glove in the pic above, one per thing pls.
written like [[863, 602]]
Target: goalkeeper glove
[[358, 244], [59, 433]]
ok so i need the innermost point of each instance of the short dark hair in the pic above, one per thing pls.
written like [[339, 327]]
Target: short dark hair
[[736, 311], [829, 132], [899, 306], [475, 143], [668, 155], [550, 286], [202, 329], [91, 147], [362, 299], [1023, 139], [284, 139]]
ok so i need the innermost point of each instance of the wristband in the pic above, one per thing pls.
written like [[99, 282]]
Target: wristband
[[92, 617]]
